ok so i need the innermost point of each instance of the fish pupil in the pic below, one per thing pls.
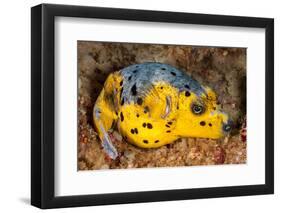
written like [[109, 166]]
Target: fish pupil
[[197, 109]]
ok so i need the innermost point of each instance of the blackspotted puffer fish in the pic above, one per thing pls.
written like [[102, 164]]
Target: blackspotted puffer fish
[[154, 104]]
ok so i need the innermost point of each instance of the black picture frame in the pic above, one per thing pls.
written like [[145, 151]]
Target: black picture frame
[[43, 117]]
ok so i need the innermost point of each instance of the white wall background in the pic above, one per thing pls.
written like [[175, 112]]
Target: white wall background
[[15, 106]]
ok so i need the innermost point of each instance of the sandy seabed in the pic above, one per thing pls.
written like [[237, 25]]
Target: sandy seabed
[[222, 69]]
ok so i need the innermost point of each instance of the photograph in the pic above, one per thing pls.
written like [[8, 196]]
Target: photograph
[[141, 105], [144, 105]]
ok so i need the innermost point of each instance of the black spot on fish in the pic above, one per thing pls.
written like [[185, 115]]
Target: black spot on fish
[[202, 123], [144, 125], [170, 122], [210, 124], [156, 141], [139, 101], [145, 141], [149, 125], [173, 73], [121, 83], [187, 86], [121, 91], [167, 125], [163, 68], [161, 87], [132, 131], [116, 113], [146, 109], [122, 116], [134, 90], [168, 131], [138, 115], [130, 77], [187, 93], [136, 131], [122, 102], [135, 71], [214, 108]]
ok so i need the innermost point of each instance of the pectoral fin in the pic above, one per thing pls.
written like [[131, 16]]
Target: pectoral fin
[[168, 107]]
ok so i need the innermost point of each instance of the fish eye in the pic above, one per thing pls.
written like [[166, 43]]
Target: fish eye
[[197, 109]]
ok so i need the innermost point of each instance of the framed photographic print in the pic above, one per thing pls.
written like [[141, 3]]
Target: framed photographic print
[[140, 106]]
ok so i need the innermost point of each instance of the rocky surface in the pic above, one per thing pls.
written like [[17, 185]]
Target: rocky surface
[[223, 69]]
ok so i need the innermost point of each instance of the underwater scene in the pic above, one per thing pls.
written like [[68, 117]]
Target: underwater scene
[[158, 105]]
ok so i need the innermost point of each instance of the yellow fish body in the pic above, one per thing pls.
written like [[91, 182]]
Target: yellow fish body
[[153, 104]]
